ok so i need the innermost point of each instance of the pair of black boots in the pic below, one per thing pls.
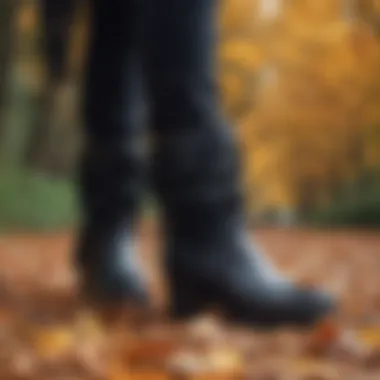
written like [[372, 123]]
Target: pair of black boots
[[209, 257]]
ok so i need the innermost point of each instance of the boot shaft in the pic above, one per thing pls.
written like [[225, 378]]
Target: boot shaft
[[111, 181], [112, 166], [196, 175], [196, 165]]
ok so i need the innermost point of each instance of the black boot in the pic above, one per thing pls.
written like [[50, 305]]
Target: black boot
[[210, 258], [111, 174], [110, 182]]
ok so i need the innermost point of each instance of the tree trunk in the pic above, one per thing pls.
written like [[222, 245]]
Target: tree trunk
[[49, 130], [6, 23]]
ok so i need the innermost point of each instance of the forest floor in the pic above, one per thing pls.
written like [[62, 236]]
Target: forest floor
[[46, 333]]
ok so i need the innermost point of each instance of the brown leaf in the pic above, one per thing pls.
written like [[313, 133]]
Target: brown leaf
[[145, 351], [325, 335], [372, 361]]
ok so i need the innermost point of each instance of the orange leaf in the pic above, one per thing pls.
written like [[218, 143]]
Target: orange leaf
[[324, 336], [148, 351]]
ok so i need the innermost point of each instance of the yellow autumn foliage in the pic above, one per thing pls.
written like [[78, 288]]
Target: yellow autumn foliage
[[313, 119]]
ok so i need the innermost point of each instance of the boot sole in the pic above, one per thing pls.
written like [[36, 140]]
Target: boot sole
[[190, 303]]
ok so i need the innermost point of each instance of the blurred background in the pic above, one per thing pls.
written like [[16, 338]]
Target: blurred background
[[300, 81]]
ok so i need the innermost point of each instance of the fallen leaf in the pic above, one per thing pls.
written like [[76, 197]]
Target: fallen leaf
[[24, 365], [53, 342], [88, 326], [349, 348], [204, 333], [370, 336], [217, 364], [314, 369], [148, 375], [148, 351], [325, 335], [117, 371], [372, 361]]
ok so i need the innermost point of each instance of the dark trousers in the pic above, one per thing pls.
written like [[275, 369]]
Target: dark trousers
[[162, 49]]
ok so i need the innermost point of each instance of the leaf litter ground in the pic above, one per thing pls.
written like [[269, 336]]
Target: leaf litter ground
[[48, 333]]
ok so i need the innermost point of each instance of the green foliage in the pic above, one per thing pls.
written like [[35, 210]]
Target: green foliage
[[359, 208], [29, 201], [35, 202], [362, 213]]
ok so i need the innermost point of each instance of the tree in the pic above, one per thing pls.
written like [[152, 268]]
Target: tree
[[7, 8], [310, 121], [53, 139]]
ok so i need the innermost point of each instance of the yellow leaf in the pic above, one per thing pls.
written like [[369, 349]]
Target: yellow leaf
[[370, 336], [54, 341], [88, 326], [218, 364], [242, 52], [226, 361]]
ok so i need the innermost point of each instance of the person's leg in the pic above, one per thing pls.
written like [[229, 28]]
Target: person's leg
[[210, 258], [111, 170]]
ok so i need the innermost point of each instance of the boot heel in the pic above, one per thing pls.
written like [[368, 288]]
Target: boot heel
[[187, 300]]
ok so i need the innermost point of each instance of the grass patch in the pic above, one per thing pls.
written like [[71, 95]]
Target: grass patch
[[29, 201], [363, 212], [33, 202]]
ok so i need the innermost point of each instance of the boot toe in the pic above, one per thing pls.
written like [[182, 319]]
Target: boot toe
[[310, 306], [286, 306]]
